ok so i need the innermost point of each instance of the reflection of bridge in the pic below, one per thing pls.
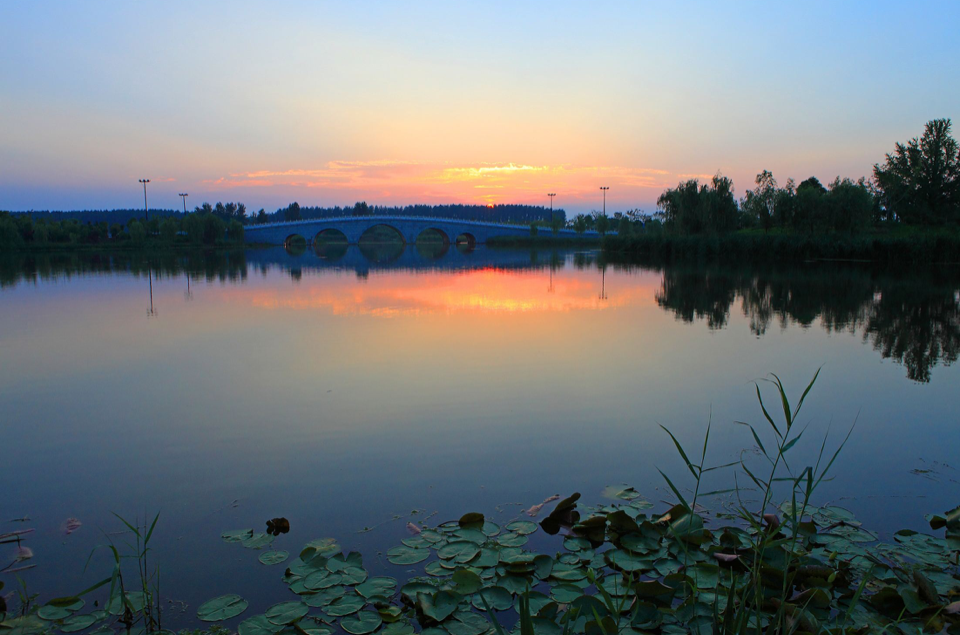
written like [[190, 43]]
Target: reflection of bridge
[[408, 227]]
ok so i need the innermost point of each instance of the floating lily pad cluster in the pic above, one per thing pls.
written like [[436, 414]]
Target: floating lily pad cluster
[[616, 569]]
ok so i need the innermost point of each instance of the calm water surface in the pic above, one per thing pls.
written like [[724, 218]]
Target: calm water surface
[[346, 391]]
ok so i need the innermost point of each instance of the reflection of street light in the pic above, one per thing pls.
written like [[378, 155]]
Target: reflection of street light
[[603, 282], [604, 188], [146, 210], [151, 312], [188, 294], [184, 196]]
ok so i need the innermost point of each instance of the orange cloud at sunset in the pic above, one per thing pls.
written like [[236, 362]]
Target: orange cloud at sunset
[[392, 182]]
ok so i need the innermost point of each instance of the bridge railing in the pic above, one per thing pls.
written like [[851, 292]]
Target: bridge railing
[[439, 219]]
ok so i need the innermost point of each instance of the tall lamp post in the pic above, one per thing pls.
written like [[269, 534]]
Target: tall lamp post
[[146, 210], [184, 196], [604, 188], [551, 195]]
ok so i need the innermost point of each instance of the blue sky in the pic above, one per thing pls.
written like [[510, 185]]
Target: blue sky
[[329, 103]]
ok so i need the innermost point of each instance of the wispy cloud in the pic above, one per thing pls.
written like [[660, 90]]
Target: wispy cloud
[[395, 181]]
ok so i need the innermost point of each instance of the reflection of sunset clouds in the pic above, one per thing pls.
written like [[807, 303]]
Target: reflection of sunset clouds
[[484, 291]]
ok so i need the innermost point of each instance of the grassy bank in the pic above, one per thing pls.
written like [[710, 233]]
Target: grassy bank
[[903, 245]]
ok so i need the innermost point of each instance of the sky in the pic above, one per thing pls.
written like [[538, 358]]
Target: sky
[[455, 102]]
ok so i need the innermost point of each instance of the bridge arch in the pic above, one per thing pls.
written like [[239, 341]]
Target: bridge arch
[[295, 244], [329, 235], [381, 233], [429, 234], [466, 241]]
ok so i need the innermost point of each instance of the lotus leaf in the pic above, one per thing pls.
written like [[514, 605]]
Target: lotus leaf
[[438, 606], [236, 535], [497, 597], [286, 612], [273, 557], [345, 605], [379, 586], [324, 597], [361, 623], [222, 608], [258, 625], [407, 555]]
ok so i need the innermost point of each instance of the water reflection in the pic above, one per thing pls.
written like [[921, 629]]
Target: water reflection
[[913, 319], [910, 317]]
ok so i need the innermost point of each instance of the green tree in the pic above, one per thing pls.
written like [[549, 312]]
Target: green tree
[[849, 205], [168, 230], [555, 224], [580, 223], [10, 237], [624, 227], [360, 208], [534, 230], [261, 216], [602, 222], [137, 231], [235, 231], [920, 181], [692, 208], [292, 212]]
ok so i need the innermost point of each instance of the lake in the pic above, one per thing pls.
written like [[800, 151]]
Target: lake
[[353, 391]]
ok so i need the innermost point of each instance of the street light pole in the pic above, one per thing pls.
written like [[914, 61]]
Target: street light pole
[[604, 188], [551, 195], [146, 210], [184, 196]]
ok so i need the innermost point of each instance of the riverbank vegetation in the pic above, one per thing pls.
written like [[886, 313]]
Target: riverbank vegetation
[[908, 211], [765, 557], [25, 232]]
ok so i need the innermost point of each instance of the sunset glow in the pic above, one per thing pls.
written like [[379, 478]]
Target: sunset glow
[[451, 103]]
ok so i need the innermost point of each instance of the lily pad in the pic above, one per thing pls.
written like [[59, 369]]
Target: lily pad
[[76, 623], [222, 608], [345, 605], [438, 606], [273, 557], [460, 551], [565, 593], [512, 540], [236, 535], [258, 625], [339, 562], [522, 527], [407, 555], [324, 597], [257, 541], [379, 586], [497, 597], [286, 612], [352, 575], [361, 623]]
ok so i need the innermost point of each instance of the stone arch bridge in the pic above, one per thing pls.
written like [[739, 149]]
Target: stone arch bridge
[[408, 227]]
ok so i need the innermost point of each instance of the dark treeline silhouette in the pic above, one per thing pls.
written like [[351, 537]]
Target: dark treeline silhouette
[[916, 188], [207, 225], [509, 213], [913, 320]]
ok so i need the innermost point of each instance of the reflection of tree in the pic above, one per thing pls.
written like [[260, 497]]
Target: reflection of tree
[[917, 326], [698, 294], [913, 320], [218, 265]]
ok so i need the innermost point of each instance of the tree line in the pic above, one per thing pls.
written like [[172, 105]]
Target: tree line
[[917, 184], [208, 225]]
